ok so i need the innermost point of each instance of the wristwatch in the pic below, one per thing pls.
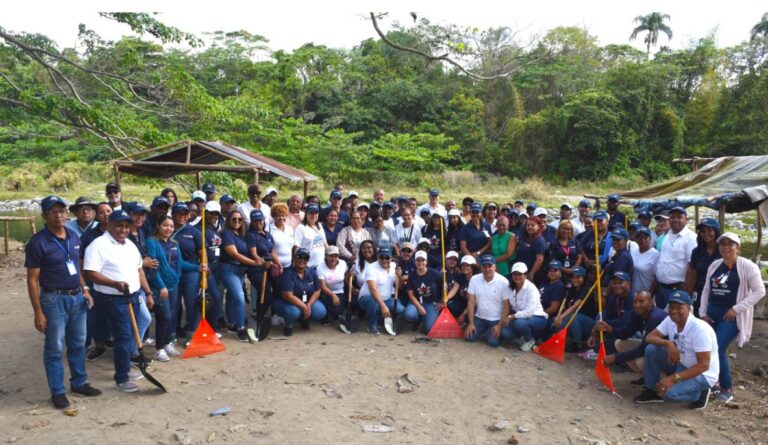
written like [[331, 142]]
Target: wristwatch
[[676, 378]]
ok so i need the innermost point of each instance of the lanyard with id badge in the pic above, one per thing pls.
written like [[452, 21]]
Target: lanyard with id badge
[[71, 267]]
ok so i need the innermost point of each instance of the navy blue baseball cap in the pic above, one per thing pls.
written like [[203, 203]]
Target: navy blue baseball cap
[[208, 188], [600, 214], [555, 265], [613, 197], [434, 192], [585, 203], [375, 204], [335, 194], [313, 208], [634, 225], [519, 201], [579, 272], [487, 259], [425, 211], [644, 214], [134, 207], [513, 212], [160, 200], [257, 215], [402, 198], [119, 215], [180, 207], [531, 206], [388, 205], [226, 198], [679, 209], [623, 276], [302, 253], [385, 251], [681, 297], [620, 234], [51, 200], [475, 207], [644, 231], [709, 222]]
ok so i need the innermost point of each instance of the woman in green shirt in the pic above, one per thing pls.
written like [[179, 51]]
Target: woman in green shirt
[[503, 245]]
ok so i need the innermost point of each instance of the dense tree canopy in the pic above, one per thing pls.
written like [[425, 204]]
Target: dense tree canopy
[[569, 108]]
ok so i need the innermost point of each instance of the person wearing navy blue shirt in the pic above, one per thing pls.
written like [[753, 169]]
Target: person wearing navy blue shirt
[[212, 240], [85, 216], [643, 318], [342, 217], [59, 300], [621, 261], [531, 248], [332, 226], [190, 241], [475, 238], [299, 294], [432, 232], [565, 249], [261, 246], [457, 293], [604, 243], [209, 190], [705, 253], [98, 329], [581, 327], [617, 308], [453, 231], [618, 220], [552, 292], [424, 294], [139, 238], [234, 256], [160, 206]]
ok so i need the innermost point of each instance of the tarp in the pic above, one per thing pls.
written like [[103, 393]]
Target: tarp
[[740, 183]]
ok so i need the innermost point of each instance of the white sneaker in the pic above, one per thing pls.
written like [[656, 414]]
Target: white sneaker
[[149, 341], [218, 335], [171, 350], [588, 355], [527, 346], [135, 375], [161, 355], [127, 387], [277, 320]]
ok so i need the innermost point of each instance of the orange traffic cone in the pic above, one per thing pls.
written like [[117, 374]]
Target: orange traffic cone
[[446, 326]]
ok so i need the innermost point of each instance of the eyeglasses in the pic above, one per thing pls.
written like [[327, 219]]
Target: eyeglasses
[[113, 192], [406, 250], [57, 212], [386, 258], [302, 258]]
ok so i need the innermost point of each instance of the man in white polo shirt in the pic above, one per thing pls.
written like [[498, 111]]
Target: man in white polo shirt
[[674, 256], [685, 349], [486, 294], [113, 263]]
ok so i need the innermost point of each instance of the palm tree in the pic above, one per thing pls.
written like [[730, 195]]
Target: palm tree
[[760, 28], [653, 23]]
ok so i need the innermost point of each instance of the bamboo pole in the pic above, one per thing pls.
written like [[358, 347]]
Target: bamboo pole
[[759, 225], [721, 216]]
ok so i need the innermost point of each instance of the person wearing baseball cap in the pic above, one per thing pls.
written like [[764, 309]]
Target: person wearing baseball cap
[[644, 261], [255, 202], [490, 212], [621, 260], [457, 292], [433, 204], [378, 289], [660, 229], [300, 294], [486, 295], [332, 275], [310, 235], [530, 208], [85, 216], [581, 327], [616, 312], [269, 197], [604, 240], [702, 256], [617, 219], [209, 190], [476, 237], [114, 195], [335, 200], [523, 314], [566, 211], [424, 291], [261, 246], [674, 256], [552, 292], [733, 286], [691, 339]]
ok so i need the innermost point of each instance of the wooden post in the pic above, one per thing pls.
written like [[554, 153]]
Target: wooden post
[[306, 187], [759, 225], [696, 210], [117, 174], [6, 233], [32, 226], [721, 217], [256, 176], [189, 152], [197, 176]]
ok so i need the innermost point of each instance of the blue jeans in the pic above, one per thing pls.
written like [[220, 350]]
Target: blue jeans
[[164, 327], [143, 319], [216, 311], [334, 310], [581, 328], [98, 329], [725, 331], [291, 313], [373, 310], [412, 315], [483, 329], [119, 320], [662, 296], [189, 288], [232, 279], [656, 361], [457, 306], [66, 325], [523, 327]]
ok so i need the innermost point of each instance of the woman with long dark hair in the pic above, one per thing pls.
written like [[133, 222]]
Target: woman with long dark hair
[[531, 247], [705, 253], [234, 256]]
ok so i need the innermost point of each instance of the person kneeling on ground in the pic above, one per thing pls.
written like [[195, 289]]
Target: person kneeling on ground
[[524, 303], [486, 293], [300, 291], [378, 289], [425, 301], [685, 348]]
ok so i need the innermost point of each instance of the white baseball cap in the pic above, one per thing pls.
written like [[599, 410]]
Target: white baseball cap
[[352, 193], [270, 191], [198, 194], [730, 236], [420, 254], [212, 206], [519, 268], [540, 211], [424, 240], [452, 254], [454, 212], [468, 259]]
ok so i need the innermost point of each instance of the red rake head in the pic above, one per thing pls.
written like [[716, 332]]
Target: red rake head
[[204, 342], [554, 348], [446, 326], [602, 372]]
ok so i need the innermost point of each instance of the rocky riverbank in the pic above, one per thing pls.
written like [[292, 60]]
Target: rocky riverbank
[[21, 205]]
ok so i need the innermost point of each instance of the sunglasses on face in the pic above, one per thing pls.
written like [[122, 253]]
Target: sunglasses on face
[[386, 258], [303, 258], [236, 219]]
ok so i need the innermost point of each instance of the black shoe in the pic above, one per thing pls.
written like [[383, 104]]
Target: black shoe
[[640, 381], [648, 396], [95, 353], [242, 336], [135, 360], [232, 328], [60, 401], [108, 344], [702, 402], [86, 390], [304, 324], [287, 331], [325, 321]]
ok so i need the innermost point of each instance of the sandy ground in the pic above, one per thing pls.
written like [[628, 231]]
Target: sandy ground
[[322, 386]]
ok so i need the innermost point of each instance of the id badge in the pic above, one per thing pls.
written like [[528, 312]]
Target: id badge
[[421, 300], [304, 297], [71, 268], [216, 251], [567, 264]]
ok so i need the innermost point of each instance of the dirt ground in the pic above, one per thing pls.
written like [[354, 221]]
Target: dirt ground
[[323, 386]]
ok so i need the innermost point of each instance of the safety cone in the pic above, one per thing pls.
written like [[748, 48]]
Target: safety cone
[[446, 326]]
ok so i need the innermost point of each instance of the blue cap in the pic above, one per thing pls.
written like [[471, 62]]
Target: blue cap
[[709, 222], [257, 215], [475, 207], [623, 276], [179, 207], [208, 188], [119, 215], [487, 259], [375, 204], [644, 214], [402, 198], [513, 212], [335, 194], [50, 201], [519, 201], [361, 206], [302, 253], [385, 251], [226, 198], [313, 208], [681, 297], [133, 207], [644, 231], [613, 197], [160, 200], [600, 214], [620, 234], [634, 225], [555, 265], [425, 210], [679, 209], [434, 192], [579, 272], [388, 205], [532, 206], [585, 203]]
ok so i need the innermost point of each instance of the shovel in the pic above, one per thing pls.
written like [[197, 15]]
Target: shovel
[[347, 326], [395, 325], [262, 325], [142, 361]]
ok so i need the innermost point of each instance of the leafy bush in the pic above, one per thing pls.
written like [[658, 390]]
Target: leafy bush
[[21, 179], [62, 180]]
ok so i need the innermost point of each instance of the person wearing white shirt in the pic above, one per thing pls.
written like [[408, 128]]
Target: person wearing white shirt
[[311, 236], [282, 234], [644, 261], [675, 252], [331, 273], [524, 314], [434, 205], [254, 203], [685, 348], [406, 231], [378, 289], [578, 223], [486, 294]]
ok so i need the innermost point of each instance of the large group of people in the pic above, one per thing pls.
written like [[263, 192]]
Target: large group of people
[[674, 299]]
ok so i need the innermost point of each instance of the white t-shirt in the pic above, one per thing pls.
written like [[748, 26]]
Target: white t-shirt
[[385, 280], [527, 302], [645, 269], [246, 208], [407, 235], [119, 262], [312, 239], [440, 210], [284, 241], [674, 256], [334, 279], [489, 295], [697, 336], [578, 226], [360, 274]]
